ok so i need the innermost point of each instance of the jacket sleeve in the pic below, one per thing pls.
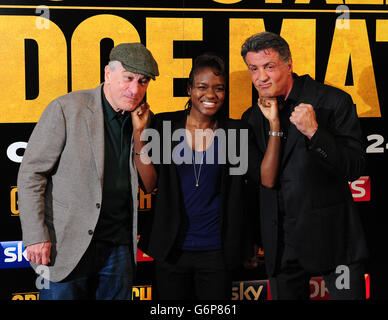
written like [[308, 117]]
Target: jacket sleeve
[[252, 196], [150, 125], [338, 143], [254, 161], [254, 155], [41, 155]]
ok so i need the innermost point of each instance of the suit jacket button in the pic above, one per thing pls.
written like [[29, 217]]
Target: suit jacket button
[[90, 232], [98, 206]]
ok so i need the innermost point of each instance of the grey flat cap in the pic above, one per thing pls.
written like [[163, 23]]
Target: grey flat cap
[[136, 58]]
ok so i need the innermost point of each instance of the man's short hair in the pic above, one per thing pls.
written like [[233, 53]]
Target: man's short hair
[[266, 40]]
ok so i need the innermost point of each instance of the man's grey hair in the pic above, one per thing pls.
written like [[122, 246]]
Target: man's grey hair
[[266, 40], [113, 64]]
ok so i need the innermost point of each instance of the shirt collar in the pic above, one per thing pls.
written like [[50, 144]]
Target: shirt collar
[[296, 89]]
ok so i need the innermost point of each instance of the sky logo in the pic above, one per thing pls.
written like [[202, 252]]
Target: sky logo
[[13, 255]]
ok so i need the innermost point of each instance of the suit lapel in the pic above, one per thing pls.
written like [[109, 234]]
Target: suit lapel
[[95, 126], [257, 122], [307, 95], [179, 123], [292, 138]]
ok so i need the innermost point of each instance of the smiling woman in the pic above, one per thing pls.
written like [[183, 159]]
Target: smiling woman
[[207, 93], [200, 231], [206, 88]]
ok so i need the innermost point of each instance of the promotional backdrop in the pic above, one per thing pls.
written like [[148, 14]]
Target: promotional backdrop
[[48, 48]]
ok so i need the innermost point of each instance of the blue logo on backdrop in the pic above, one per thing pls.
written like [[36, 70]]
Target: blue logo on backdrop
[[13, 255]]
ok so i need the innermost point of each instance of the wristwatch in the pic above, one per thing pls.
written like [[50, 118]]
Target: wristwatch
[[275, 133]]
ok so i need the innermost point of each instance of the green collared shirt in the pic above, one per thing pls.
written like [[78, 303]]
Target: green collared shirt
[[115, 222]]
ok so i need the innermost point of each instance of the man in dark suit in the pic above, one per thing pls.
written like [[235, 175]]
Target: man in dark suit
[[311, 146]]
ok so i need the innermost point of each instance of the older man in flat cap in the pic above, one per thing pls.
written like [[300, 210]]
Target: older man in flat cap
[[78, 183]]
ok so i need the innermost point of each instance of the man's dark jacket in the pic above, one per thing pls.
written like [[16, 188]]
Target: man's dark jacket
[[313, 178], [160, 237]]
